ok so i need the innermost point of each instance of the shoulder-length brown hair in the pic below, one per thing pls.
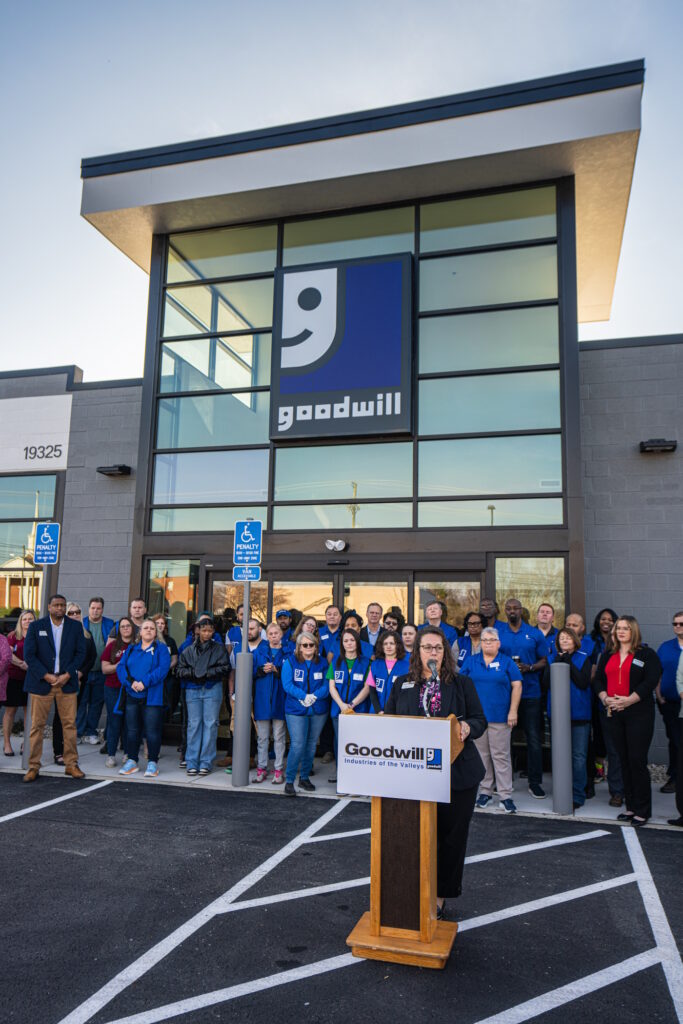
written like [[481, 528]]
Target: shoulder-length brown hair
[[341, 657], [300, 628], [447, 673], [18, 632], [573, 636], [636, 636], [379, 645]]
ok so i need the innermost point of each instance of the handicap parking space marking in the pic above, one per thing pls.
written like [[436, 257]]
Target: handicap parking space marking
[[56, 800]]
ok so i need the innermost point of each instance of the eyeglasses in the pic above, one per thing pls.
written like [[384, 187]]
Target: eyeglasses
[[679, 624], [307, 645], [74, 611], [431, 648]]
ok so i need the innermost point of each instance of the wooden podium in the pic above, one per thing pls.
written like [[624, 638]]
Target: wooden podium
[[401, 925]]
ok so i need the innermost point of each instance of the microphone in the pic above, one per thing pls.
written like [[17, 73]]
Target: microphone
[[432, 666]]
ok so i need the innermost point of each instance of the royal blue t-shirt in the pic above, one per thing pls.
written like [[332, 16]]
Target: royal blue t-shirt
[[529, 644], [493, 683], [669, 654]]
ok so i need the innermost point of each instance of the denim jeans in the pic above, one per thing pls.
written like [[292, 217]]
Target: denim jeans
[[139, 715], [529, 717], [116, 725], [90, 705], [580, 736], [304, 731], [203, 709]]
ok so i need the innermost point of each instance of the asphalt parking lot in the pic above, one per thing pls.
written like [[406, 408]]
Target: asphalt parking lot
[[134, 904]]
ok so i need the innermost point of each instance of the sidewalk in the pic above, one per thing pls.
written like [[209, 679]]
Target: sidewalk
[[170, 774]]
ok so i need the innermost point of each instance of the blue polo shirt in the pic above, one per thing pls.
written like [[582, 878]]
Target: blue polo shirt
[[669, 654], [529, 644], [329, 641], [549, 639], [493, 683], [449, 632]]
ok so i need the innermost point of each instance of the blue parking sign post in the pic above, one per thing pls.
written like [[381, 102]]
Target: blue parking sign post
[[246, 556], [46, 550]]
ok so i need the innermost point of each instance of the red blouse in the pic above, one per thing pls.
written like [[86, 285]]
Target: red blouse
[[618, 676]]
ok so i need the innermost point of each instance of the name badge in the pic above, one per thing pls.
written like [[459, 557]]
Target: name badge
[[42, 633], [299, 675], [358, 675], [494, 664], [640, 664], [407, 686], [317, 675]]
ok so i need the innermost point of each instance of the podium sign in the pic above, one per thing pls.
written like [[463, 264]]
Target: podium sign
[[395, 756]]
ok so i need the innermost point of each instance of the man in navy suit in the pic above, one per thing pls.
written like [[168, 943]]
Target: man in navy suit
[[54, 650]]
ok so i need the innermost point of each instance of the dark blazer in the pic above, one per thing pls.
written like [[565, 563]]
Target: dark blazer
[[458, 698], [642, 678], [39, 655]]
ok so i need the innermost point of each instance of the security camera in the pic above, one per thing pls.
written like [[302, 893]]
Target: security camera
[[336, 545]]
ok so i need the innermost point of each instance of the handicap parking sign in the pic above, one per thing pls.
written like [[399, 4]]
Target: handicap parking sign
[[247, 544], [47, 544]]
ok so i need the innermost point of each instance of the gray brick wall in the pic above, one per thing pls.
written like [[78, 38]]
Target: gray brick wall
[[97, 528], [633, 502]]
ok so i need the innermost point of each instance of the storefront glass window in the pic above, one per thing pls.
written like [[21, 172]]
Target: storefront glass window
[[30, 496], [474, 405], [215, 477], [479, 341], [223, 253], [483, 279], [226, 596], [307, 597], [490, 512], [490, 465], [349, 236], [20, 580], [460, 597], [172, 591], [204, 309], [532, 581], [344, 471], [380, 516], [388, 595], [203, 364], [212, 420], [204, 520], [488, 220]]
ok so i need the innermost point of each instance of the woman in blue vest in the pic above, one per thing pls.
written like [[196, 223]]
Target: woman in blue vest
[[142, 671], [567, 649], [390, 663], [269, 703], [348, 682], [304, 678]]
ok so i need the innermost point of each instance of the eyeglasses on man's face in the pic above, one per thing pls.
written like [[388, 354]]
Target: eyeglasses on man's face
[[431, 648], [678, 624]]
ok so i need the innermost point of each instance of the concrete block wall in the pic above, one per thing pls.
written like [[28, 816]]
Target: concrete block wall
[[633, 525], [97, 527]]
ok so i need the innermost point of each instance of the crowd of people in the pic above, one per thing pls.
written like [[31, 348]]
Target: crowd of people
[[307, 673]]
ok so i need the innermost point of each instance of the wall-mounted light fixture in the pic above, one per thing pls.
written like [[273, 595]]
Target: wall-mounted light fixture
[[336, 545], [658, 444], [118, 470]]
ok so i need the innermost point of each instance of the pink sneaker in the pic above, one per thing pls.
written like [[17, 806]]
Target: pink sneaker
[[261, 775], [279, 777]]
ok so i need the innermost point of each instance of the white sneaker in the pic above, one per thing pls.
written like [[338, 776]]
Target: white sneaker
[[92, 740], [110, 762]]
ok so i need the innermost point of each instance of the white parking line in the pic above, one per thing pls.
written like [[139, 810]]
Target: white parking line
[[545, 901], [223, 995], [661, 929], [574, 990], [296, 894], [57, 800], [340, 835], [530, 847], [153, 956]]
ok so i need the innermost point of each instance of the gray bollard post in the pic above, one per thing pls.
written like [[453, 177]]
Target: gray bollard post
[[561, 738], [244, 666]]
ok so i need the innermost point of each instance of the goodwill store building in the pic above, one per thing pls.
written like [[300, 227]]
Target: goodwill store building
[[363, 331]]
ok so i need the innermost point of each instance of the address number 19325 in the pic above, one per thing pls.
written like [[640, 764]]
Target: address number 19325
[[42, 451]]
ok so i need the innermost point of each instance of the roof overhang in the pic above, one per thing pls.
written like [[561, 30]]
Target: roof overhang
[[584, 124]]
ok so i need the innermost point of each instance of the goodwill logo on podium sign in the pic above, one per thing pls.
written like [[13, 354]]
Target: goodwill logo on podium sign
[[395, 756]]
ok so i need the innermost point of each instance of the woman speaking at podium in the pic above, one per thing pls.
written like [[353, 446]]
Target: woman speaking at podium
[[433, 689]]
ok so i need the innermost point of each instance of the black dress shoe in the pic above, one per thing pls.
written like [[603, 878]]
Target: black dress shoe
[[678, 822], [668, 787], [441, 911], [624, 816], [307, 785], [639, 822], [289, 789]]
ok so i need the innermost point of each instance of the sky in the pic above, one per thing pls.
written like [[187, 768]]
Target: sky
[[81, 79]]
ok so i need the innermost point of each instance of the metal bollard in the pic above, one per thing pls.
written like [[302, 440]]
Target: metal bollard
[[561, 738], [242, 711]]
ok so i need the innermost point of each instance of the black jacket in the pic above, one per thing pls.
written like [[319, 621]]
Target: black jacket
[[90, 657], [643, 677], [202, 663], [458, 698]]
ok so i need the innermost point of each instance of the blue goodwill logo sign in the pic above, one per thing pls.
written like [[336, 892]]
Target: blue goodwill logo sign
[[341, 362]]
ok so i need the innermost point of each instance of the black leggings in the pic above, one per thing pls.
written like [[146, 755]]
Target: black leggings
[[631, 731]]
